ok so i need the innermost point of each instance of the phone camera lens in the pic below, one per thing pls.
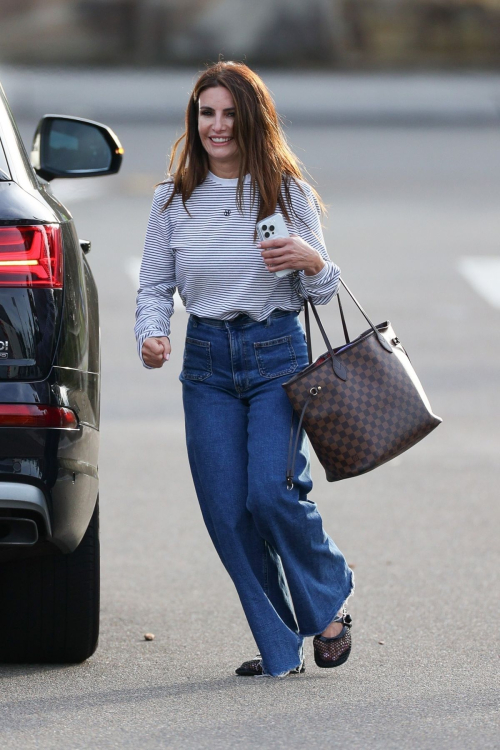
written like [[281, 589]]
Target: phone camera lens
[[264, 227], [271, 229], [266, 234]]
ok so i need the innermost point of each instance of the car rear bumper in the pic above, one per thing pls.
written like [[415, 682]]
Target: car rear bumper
[[50, 475], [20, 498]]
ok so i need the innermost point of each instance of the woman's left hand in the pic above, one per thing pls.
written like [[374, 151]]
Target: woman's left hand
[[282, 253]]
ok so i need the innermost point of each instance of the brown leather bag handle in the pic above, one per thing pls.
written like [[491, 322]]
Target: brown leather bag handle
[[338, 367], [380, 338]]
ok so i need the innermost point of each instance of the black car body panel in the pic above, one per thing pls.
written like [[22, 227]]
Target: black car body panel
[[29, 327], [20, 207], [54, 359]]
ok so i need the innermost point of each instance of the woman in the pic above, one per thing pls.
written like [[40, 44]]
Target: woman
[[244, 340]]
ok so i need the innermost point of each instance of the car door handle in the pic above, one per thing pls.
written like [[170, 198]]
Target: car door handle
[[85, 245]]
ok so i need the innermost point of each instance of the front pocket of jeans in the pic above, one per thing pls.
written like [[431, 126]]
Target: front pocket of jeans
[[276, 357], [197, 362]]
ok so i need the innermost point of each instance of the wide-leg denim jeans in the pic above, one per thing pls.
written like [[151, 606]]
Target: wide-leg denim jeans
[[289, 575]]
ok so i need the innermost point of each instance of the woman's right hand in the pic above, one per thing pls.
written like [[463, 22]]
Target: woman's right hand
[[156, 350]]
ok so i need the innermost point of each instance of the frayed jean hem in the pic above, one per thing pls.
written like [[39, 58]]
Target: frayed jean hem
[[265, 673], [280, 674]]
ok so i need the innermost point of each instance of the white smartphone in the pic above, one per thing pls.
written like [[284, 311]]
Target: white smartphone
[[274, 226]]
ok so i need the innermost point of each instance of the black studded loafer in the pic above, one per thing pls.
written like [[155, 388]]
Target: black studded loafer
[[332, 652], [253, 668]]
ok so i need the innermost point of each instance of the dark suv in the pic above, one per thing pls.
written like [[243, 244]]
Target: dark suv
[[49, 395]]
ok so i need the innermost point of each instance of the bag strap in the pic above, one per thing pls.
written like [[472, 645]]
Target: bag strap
[[293, 445], [292, 448], [383, 343], [308, 333], [344, 326], [338, 367]]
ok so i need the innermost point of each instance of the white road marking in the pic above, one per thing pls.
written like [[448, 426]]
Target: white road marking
[[132, 268], [483, 274]]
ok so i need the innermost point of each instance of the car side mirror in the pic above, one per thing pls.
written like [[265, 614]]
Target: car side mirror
[[74, 147]]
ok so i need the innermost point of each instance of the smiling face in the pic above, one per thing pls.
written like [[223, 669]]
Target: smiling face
[[215, 126]]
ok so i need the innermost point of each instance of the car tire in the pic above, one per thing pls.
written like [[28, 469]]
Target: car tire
[[49, 605]]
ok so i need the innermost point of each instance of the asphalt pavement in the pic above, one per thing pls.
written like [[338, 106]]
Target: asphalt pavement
[[406, 205]]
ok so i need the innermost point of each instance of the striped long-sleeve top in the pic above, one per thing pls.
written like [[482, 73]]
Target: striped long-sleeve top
[[213, 260]]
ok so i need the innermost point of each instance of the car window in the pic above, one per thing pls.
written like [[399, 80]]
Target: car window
[[4, 167]]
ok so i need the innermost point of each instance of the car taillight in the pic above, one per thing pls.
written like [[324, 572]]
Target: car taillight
[[31, 256], [35, 415]]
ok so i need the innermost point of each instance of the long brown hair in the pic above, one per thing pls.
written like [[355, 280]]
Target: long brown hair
[[262, 145]]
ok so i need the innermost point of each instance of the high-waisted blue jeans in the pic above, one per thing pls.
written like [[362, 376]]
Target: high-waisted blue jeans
[[289, 575]]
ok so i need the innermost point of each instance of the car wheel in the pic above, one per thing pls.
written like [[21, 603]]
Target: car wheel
[[49, 609]]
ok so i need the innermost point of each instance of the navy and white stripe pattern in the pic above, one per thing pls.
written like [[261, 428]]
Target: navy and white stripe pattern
[[211, 257]]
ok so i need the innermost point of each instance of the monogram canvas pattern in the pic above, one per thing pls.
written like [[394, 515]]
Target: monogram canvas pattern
[[378, 412]]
